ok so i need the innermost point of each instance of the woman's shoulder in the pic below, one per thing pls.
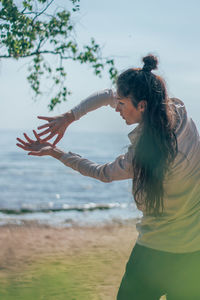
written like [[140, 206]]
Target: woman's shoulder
[[178, 106], [185, 129], [176, 101], [179, 114]]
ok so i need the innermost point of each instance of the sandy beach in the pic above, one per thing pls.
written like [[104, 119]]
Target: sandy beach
[[42, 262]]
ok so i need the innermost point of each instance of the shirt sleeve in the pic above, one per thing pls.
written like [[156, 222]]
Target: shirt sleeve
[[94, 101], [119, 169]]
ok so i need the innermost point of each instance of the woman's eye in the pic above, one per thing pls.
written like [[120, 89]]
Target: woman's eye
[[121, 103]]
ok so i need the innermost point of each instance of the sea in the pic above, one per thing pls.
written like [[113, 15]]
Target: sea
[[44, 191]]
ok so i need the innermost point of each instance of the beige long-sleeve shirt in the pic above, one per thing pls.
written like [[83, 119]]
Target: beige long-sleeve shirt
[[178, 229]]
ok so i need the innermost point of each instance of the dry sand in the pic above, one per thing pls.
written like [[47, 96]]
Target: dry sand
[[95, 256], [23, 244]]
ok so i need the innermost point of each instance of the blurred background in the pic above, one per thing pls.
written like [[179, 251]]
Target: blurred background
[[33, 188]]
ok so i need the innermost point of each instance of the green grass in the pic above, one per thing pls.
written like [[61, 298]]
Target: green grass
[[84, 277], [93, 274]]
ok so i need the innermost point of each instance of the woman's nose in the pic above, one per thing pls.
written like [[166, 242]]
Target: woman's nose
[[118, 108]]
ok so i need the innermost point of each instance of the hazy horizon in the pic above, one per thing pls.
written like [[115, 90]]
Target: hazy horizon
[[127, 31]]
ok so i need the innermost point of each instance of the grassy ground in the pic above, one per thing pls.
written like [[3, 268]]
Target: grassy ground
[[72, 264]]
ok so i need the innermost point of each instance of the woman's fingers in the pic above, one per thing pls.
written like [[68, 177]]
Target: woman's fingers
[[28, 138], [59, 137], [51, 124], [43, 126], [21, 146], [21, 141], [45, 118], [48, 137], [36, 135], [36, 153], [24, 147], [44, 132]]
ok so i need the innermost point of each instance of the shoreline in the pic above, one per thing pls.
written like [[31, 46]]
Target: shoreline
[[61, 219]]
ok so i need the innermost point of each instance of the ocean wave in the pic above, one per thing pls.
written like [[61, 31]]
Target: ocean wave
[[65, 207]]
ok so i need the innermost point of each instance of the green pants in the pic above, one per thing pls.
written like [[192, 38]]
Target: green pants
[[151, 273]]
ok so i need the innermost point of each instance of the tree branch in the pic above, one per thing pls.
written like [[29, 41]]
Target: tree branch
[[43, 10], [32, 30], [38, 53]]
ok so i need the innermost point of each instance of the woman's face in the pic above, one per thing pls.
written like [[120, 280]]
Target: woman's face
[[129, 112]]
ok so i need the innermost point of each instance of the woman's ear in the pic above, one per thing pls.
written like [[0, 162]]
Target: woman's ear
[[142, 105]]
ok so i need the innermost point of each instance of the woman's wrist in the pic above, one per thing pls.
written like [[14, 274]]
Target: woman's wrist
[[69, 116], [56, 153]]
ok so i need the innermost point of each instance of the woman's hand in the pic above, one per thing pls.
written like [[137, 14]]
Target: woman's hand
[[55, 126], [38, 147]]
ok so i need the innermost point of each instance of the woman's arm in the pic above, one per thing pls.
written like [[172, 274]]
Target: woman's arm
[[58, 124], [119, 169], [95, 101]]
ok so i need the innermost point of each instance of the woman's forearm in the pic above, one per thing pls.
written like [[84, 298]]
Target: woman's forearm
[[119, 169], [93, 102]]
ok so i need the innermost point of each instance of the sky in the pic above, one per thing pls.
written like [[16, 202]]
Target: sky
[[127, 31]]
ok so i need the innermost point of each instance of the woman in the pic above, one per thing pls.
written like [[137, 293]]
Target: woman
[[163, 161]]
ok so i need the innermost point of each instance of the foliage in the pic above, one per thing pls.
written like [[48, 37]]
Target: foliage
[[39, 29]]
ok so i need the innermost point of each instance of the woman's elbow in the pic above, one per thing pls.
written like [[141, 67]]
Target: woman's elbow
[[105, 179]]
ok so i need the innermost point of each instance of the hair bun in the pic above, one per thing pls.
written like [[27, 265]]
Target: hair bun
[[150, 63]]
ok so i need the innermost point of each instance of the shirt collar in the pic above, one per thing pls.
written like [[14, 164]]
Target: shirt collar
[[135, 133]]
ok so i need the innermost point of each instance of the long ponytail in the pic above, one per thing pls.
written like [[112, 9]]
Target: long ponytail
[[157, 145]]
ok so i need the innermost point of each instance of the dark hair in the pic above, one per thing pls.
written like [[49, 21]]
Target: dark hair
[[156, 147]]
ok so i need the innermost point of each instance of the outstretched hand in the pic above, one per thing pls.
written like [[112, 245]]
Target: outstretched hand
[[38, 147], [55, 126]]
